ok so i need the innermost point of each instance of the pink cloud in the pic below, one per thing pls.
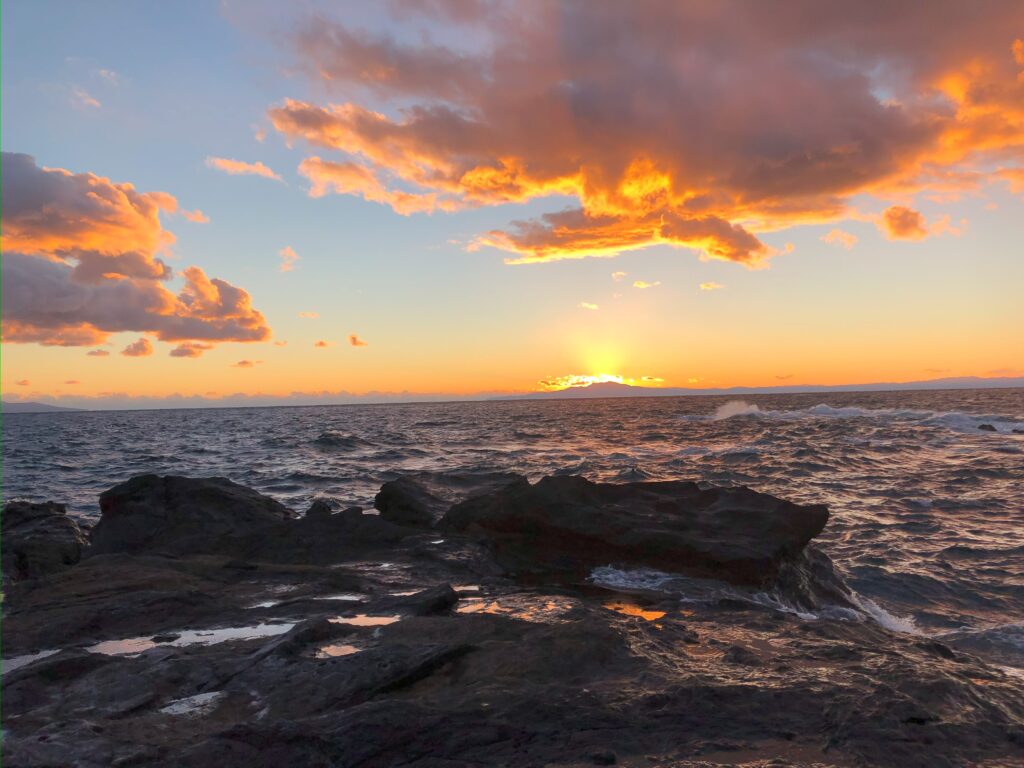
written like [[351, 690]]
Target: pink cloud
[[355, 341], [80, 262], [288, 258], [902, 223], [708, 151], [241, 168], [140, 348], [190, 349]]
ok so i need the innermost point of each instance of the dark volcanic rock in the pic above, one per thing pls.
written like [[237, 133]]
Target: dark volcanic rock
[[570, 525], [38, 539], [423, 498], [180, 515]]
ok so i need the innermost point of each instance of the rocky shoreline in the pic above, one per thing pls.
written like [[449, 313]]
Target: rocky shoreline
[[200, 623]]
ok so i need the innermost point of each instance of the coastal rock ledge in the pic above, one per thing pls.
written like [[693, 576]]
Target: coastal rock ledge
[[570, 525]]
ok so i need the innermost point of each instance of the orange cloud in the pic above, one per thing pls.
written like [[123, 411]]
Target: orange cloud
[[23, 382], [241, 168], [355, 341], [902, 223], [98, 353], [246, 363], [711, 286], [838, 237], [708, 153], [288, 258], [140, 348], [644, 284], [321, 344], [309, 315], [190, 349], [195, 216], [80, 98], [72, 381], [80, 263]]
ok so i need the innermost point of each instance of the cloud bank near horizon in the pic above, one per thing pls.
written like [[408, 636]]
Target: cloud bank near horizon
[[679, 124]]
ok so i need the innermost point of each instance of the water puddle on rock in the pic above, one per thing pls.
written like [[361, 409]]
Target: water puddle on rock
[[335, 650], [365, 620], [135, 645], [193, 706], [632, 609], [543, 608], [13, 663]]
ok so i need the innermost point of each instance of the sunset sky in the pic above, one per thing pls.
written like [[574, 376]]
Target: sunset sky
[[204, 199]]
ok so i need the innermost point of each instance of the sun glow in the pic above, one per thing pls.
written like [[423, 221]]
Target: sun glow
[[557, 383]]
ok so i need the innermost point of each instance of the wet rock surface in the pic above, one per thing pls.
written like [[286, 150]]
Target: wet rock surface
[[38, 539], [422, 499], [570, 524], [180, 515], [415, 650]]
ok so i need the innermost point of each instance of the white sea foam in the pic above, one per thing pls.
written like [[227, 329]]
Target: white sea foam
[[955, 420], [737, 408]]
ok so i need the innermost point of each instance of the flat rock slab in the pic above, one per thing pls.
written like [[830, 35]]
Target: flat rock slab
[[570, 525]]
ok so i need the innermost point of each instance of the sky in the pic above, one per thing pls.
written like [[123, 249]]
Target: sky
[[228, 199]]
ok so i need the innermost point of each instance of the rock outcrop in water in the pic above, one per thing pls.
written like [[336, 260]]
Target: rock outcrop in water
[[571, 525], [336, 639], [38, 539], [422, 499], [180, 515]]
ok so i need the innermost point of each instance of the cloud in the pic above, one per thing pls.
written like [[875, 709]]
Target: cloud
[[309, 315], [618, 276], [241, 168], [711, 286], [98, 353], [785, 377], [902, 223], [280, 343], [190, 349], [140, 348], [246, 363], [288, 258], [110, 76], [321, 344], [838, 237], [72, 381], [644, 284], [667, 123], [81, 98], [23, 382], [80, 262], [355, 341], [195, 216], [588, 305]]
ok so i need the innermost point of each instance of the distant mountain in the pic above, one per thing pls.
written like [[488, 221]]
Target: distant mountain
[[6, 407], [614, 389]]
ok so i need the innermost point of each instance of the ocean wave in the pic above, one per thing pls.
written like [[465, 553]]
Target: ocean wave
[[340, 441], [955, 420], [710, 592]]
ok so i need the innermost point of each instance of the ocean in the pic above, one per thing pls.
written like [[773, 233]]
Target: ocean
[[927, 506]]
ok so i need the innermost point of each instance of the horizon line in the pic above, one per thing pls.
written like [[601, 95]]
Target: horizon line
[[608, 390]]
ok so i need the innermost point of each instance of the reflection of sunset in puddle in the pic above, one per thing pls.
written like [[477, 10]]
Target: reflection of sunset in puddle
[[364, 620], [133, 645], [525, 607], [333, 651], [632, 609]]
